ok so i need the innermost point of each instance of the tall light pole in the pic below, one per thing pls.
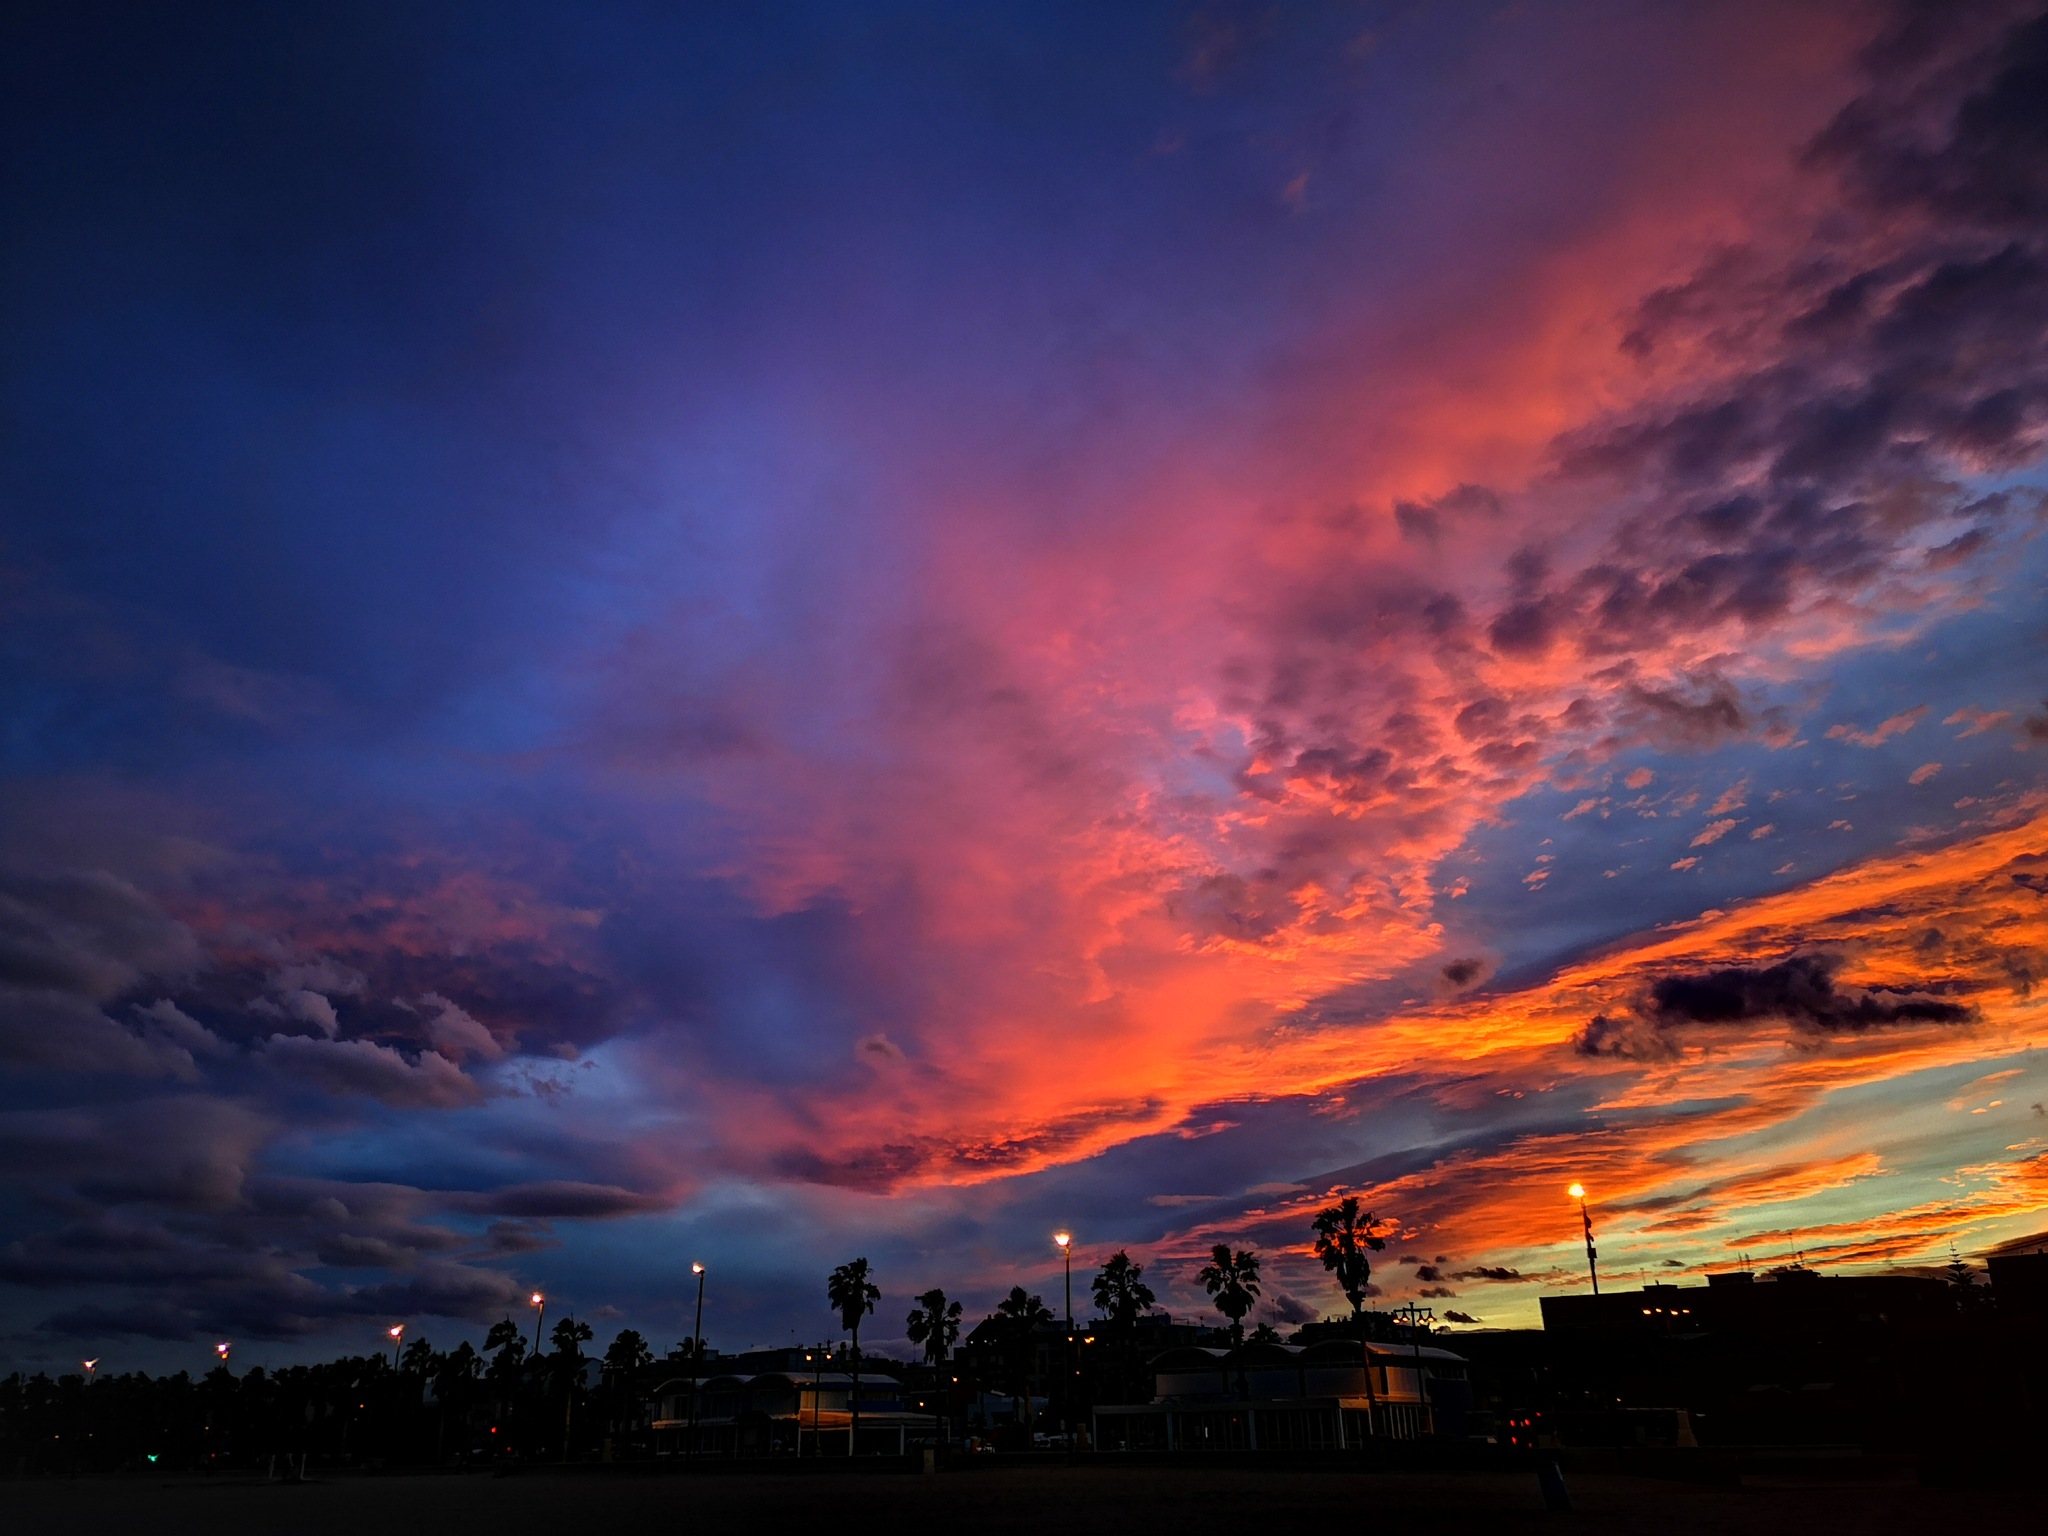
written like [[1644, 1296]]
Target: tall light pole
[[1066, 1246], [222, 1351], [90, 1366], [397, 1332], [1578, 1193], [1418, 1320], [696, 1353], [539, 1303]]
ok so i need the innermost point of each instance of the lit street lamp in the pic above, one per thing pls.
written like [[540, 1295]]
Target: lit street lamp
[[222, 1351], [1578, 1193], [539, 1303], [1065, 1240], [90, 1366], [397, 1332], [696, 1353]]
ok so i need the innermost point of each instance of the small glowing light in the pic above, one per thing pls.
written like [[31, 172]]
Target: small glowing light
[[88, 1364], [395, 1329], [221, 1350], [536, 1299], [1063, 1238], [1577, 1191], [696, 1269]]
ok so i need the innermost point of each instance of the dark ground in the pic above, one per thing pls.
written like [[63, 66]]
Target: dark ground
[[1042, 1501]]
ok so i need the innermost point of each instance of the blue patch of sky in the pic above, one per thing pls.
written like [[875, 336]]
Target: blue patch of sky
[[1829, 801]]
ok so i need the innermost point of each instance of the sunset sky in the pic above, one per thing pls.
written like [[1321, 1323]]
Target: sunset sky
[[636, 634]]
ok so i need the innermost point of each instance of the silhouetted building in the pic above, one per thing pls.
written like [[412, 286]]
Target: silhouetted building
[[1791, 1357], [804, 1413], [2019, 1284], [1332, 1395]]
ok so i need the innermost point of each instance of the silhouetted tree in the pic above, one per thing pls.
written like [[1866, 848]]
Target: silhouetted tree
[[1123, 1297], [506, 1345], [1343, 1234], [627, 1352], [1232, 1281], [1962, 1278], [624, 1358], [852, 1294], [1265, 1333], [934, 1324], [1120, 1292], [455, 1376], [1020, 1316], [569, 1336]]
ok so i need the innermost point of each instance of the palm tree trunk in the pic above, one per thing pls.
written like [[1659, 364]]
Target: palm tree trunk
[[1365, 1352]]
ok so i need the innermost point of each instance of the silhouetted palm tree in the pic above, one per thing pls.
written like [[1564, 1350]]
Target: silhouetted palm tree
[[454, 1378], [1120, 1293], [624, 1358], [1022, 1315], [1232, 1281], [852, 1295], [569, 1336], [935, 1324], [1123, 1298], [506, 1344], [1343, 1234]]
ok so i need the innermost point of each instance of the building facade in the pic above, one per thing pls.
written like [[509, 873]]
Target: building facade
[[1334, 1395]]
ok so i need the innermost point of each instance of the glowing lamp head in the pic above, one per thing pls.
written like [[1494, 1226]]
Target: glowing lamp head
[[696, 1269], [1063, 1238], [88, 1364], [221, 1350], [395, 1329], [1577, 1191], [535, 1299]]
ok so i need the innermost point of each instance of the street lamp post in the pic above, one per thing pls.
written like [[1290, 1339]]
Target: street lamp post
[[696, 1353], [1418, 1319], [817, 1359], [397, 1332], [539, 1303], [1066, 1246], [90, 1366], [1578, 1193]]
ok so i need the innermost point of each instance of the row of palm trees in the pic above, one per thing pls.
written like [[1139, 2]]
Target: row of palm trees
[[1345, 1233]]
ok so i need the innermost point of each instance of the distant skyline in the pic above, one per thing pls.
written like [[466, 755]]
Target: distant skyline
[[767, 636]]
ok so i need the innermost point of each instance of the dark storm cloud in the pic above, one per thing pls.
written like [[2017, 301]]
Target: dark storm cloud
[[192, 1241], [1900, 351], [428, 1081], [1467, 971], [72, 944], [1284, 1308], [1800, 992], [557, 1198]]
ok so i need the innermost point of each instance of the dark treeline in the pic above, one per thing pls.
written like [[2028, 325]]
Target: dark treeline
[[508, 1401], [431, 1408]]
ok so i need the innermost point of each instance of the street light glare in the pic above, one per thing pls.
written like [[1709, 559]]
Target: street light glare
[[696, 1269], [1063, 1238], [536, 1299], [1577, 1191]]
